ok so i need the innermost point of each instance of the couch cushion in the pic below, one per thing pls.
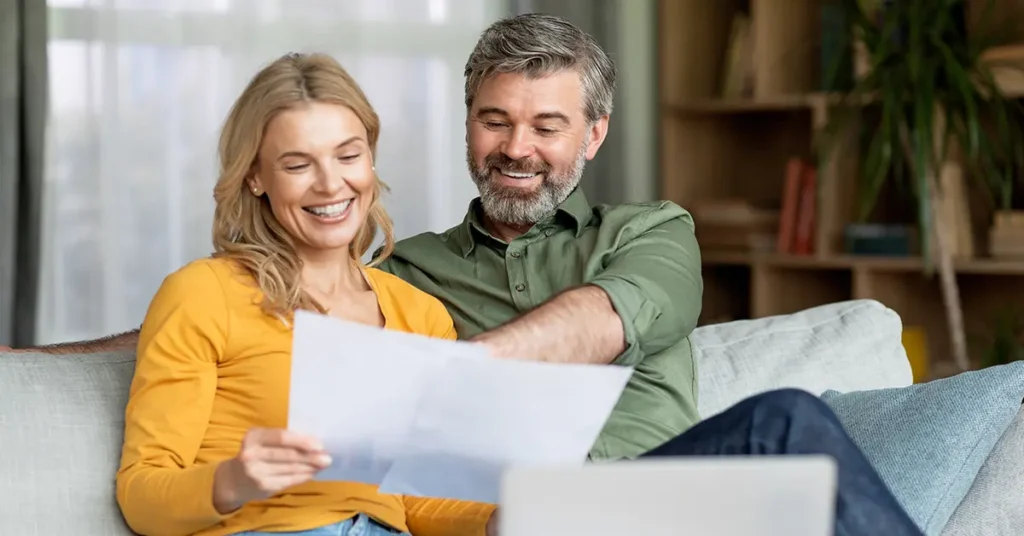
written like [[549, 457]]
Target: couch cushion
[[61, 426], [848, 346], [994, 506], [929, 441]]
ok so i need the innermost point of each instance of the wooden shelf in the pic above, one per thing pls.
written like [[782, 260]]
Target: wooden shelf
[[715, 149], [891, 264]]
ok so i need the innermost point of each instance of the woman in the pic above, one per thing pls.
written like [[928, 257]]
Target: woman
[[206, 449]]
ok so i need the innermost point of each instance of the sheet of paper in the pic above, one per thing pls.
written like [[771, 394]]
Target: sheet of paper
[[438, 418], [484, 416], [357, 388]]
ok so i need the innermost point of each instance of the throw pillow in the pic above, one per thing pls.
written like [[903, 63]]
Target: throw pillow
[[928, 441], [995, 504]]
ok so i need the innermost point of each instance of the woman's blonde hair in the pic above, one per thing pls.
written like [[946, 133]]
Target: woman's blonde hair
[[244, 228]]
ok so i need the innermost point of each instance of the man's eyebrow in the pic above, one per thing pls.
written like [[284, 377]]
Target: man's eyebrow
[[559, 116], [301, 154], [553, 115], [491, 110]]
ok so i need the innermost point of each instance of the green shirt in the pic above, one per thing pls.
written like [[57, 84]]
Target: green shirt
[[644, 255]]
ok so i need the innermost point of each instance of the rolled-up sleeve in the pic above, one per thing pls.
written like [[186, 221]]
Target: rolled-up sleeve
[[654, 283]]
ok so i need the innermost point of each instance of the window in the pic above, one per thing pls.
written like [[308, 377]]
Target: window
[[139, 89]]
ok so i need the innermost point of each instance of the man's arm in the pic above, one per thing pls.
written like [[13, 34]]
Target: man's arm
[[577, 326], [112, 343], [646, 299]]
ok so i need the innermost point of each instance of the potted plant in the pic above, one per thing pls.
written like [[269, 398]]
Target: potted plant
[[1002, 341], [942, 118]]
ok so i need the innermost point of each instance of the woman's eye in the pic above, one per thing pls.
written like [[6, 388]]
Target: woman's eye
[[296, 167], [349, 158]]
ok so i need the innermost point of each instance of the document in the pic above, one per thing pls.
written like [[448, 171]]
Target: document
[[436, 418]]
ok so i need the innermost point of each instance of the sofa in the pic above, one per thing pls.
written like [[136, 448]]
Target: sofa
[[61, 417]]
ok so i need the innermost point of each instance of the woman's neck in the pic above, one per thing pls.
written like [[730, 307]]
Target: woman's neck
[[332, 277]]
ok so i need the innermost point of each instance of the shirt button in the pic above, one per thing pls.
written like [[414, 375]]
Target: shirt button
[[515, 254], [520, 287], [549, 232]]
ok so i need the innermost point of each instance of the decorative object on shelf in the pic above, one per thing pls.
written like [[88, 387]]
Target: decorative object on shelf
[[915, 343], [735, 225], [934, 94], [875, 239], [1006, 236]]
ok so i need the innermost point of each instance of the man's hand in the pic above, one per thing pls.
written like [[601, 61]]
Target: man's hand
[[493, 522]]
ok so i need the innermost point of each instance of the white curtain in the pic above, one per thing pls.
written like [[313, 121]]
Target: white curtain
[[139, 89]]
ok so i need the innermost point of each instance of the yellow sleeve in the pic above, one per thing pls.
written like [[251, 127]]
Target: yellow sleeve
[[428, 516], [160, 489]]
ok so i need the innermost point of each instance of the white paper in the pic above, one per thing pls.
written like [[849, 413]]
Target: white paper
[[438, 418]]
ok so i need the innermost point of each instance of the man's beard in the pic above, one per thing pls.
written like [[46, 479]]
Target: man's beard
[[518, 206]]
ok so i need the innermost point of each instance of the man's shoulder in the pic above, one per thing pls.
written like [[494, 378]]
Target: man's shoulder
[[640, 217], [419, 249]]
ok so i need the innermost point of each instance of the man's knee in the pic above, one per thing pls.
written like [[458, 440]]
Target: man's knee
[[796, 404]]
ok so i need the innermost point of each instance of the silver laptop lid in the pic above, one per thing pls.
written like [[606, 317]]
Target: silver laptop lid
[[718, 496]]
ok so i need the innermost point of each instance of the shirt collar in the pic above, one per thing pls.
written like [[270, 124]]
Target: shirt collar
[[574, 211]]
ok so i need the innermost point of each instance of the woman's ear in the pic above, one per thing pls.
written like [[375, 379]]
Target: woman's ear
[[255, 185]]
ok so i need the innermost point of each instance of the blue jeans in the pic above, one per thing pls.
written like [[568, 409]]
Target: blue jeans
[[357, 526], [791, 421]]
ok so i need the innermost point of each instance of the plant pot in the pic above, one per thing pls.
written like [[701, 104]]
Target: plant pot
[[1006, 236]]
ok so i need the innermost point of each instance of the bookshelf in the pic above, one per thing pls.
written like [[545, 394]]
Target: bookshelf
[[724, 146]]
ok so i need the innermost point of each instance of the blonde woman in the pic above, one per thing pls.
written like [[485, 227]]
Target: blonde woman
[[206, 448]]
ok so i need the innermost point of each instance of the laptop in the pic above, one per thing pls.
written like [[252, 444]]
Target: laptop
[[691, 496]]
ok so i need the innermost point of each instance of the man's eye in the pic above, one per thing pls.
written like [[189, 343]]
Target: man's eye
[[492, 124], [546, 131]]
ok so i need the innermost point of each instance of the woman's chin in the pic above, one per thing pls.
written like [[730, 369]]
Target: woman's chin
[[327, 244]]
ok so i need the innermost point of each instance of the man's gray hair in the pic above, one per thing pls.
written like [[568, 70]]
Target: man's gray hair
[[537, 45]]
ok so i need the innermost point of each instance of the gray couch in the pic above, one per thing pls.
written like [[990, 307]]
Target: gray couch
[[61, 417]]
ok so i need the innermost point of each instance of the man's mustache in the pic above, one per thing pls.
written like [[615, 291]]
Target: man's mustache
[[523, 165]]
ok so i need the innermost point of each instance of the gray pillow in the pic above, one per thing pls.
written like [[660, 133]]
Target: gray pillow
[[61, 427], [994, 506]]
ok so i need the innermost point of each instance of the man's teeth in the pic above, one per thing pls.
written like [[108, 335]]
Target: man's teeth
[[330, 210], [517, 175]]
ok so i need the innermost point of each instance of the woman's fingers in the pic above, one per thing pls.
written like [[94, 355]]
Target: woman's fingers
[[283, 438], [284, 455], [282, 470]]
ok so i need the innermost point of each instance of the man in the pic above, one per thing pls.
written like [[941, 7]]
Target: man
[[535, 272]]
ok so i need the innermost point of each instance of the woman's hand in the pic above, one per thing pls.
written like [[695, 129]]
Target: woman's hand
[[269, 461]]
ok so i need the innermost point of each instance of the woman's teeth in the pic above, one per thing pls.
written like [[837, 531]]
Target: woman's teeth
[[330, 210]]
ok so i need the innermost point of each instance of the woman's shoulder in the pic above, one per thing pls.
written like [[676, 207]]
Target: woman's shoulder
[[210, 274], [419, 311], [400, 288]]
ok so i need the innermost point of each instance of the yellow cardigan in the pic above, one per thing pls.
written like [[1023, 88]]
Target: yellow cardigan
[[211, 365]]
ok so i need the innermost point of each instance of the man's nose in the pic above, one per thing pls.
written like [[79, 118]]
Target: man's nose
[[519, 145]]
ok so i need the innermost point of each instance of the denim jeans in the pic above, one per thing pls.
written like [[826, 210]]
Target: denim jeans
[[791, 421], [357, 526]]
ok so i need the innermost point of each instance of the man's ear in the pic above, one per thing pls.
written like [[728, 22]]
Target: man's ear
[[596, 134]]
